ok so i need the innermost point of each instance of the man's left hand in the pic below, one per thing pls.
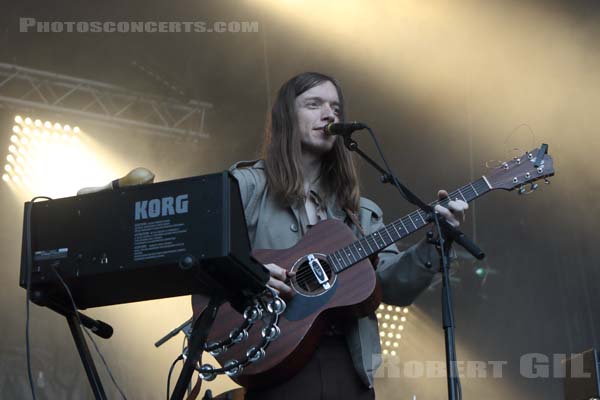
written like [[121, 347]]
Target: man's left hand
[[455, 213]]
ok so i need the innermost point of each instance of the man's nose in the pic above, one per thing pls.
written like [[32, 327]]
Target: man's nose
[[328, 113]]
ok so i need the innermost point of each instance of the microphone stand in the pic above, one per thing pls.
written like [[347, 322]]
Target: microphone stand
[[200, 330], [74, 318], [447, 234]]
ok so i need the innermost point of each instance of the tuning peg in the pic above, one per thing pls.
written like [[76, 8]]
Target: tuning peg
[[546, 181], [522, 190], [534, 186]]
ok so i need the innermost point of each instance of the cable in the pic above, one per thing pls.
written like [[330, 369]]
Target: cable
[[29, 259], [88, 334], [179, 358], [112, 378], [183, 350]]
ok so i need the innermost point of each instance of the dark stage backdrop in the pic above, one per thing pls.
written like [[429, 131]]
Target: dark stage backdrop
[[449, 87]]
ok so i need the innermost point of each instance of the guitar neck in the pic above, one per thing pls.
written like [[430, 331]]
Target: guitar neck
[[401, 228]]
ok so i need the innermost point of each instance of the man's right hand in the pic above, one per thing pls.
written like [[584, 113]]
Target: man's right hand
[[278, 278]]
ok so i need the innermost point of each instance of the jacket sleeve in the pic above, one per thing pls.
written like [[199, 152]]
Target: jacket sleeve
[[403, 275], [250, 181]]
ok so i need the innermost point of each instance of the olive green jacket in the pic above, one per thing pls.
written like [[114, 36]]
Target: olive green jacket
[[403, 275]]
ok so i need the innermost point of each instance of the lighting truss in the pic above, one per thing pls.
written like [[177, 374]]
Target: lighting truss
[[112, 105]]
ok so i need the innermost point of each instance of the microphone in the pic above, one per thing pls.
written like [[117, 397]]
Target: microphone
[[343, 128]]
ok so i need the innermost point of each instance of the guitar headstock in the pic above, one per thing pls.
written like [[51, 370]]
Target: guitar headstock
[[528, 168]]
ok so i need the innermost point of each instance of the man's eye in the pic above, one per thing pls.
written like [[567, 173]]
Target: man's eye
[[312, 104]]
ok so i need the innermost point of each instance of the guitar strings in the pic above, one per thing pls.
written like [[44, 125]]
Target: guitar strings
[[469, 190]]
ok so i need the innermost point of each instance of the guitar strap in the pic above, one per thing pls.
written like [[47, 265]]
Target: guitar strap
[[355, 220], [196, 390]]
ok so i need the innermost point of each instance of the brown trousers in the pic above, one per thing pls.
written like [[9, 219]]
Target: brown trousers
[[329, 375]]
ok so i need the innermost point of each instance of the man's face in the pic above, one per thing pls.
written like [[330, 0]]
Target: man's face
[[316, 108]]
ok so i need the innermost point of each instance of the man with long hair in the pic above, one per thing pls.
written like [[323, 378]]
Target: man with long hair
[[306, 176]]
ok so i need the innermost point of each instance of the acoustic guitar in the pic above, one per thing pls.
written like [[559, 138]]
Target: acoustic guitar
[[335, 279]]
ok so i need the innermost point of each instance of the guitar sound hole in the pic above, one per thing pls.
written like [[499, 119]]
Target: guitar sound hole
[[305, 280]]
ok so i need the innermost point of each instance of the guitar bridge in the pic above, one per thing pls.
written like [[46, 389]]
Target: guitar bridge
[[318, 271]]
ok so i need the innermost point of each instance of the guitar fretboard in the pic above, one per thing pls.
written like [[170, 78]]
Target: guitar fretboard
[[395, 231]]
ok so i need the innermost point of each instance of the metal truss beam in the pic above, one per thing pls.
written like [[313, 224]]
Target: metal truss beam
[[30, 88]]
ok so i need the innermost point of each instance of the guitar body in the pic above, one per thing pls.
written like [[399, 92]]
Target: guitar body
[[352, 293]]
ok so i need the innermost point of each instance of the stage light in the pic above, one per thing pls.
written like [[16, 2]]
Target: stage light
[[480, 272], [5, 178], [41, 163], [389, 329], [393, 353]]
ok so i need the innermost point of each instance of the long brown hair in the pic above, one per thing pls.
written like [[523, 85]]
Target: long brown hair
[[282, 150]]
